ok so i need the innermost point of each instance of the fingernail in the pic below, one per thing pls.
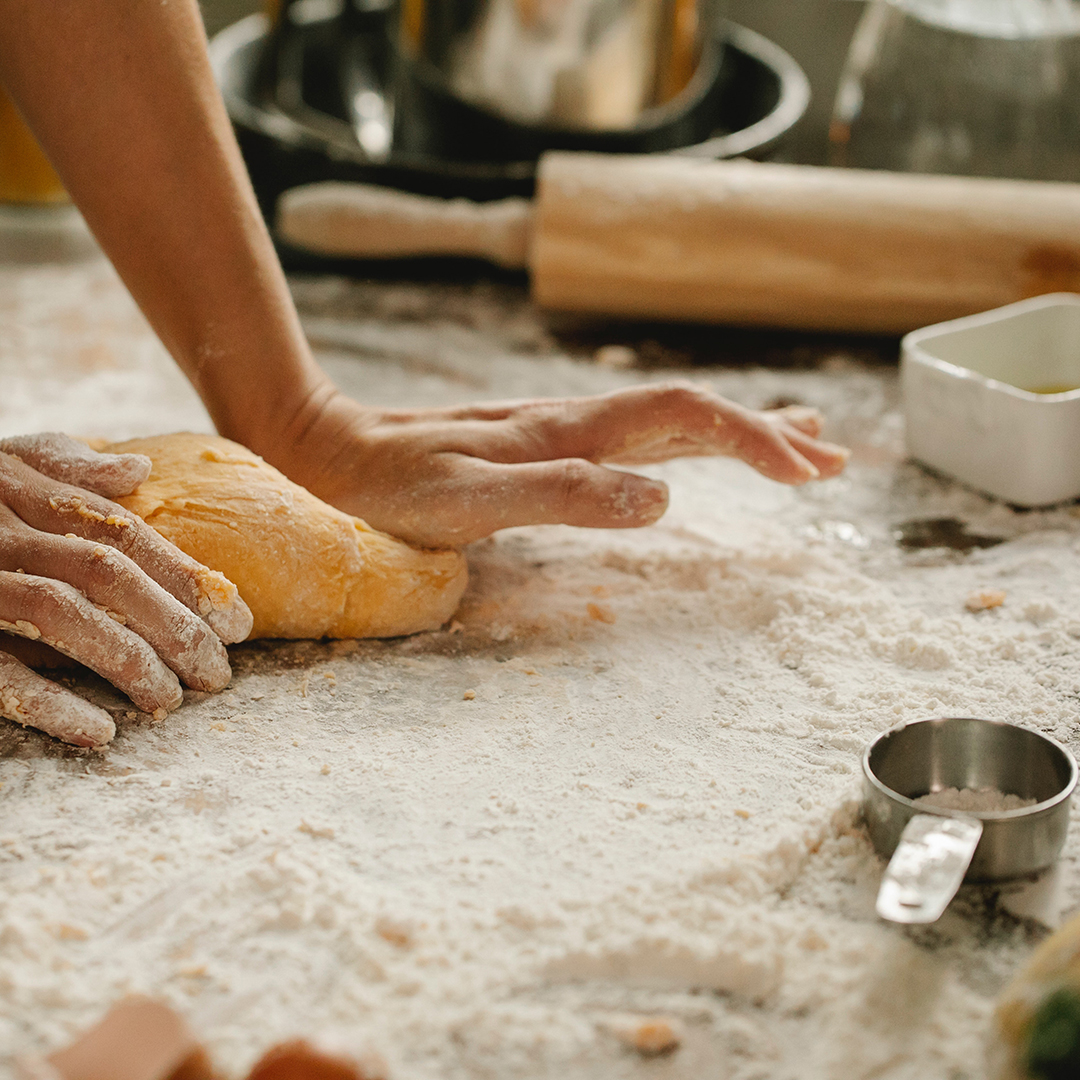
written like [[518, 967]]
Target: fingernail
[[651, 500]]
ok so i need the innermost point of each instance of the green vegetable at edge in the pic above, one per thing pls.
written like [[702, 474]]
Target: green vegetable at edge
[[1053, 1045]]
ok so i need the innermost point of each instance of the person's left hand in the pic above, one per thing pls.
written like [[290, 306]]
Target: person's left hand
[[94, 582], [445, 477]]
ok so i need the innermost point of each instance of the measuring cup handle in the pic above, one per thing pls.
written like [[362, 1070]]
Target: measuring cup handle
[[927, 867]]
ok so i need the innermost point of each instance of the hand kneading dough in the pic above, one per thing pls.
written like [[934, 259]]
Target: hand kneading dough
[[305, 569]]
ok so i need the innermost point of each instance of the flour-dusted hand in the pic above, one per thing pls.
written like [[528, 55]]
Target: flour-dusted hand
[[93, 581], [440, 477]]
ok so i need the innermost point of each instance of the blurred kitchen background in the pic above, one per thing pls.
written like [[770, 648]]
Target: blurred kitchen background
[[815, 32]]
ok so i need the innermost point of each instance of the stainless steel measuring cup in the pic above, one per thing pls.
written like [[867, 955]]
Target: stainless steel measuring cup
[[932, 850]]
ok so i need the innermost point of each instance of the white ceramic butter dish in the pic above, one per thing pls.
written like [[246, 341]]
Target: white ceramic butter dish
[[994, 399]]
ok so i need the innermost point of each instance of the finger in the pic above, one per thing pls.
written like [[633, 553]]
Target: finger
[[806, 418], [59, 508], [687, 421], [651, 424], [72, 462], [112, 581], [58, 614], [655, 423], [828, 458], [636, 426], [32, 701], [596, 428], [568, 492], [764, 448]]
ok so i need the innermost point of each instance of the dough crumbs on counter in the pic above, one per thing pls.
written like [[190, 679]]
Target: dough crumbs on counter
[[396, 932], [469, 695], [985, 599], [600, 613], [650, 1037], [67, 932], [320, 832]]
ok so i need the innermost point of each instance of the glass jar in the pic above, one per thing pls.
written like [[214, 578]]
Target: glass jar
[[973, 87]]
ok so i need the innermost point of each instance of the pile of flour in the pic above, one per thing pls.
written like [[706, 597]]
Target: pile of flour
[[977, 800], [622, 784]]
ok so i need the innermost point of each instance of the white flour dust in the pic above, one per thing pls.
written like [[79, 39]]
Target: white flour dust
[[623, 784], [979, 800]]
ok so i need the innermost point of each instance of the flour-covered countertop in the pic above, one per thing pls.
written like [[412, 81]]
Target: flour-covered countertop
[[621, 784]]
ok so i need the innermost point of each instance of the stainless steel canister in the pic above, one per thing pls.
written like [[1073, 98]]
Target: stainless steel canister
[[585, 65]]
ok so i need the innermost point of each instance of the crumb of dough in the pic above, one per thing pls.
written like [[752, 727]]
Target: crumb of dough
[[305, 569], [600, 613], [67, 932], [21, 627], [651, 1036], [398, 933], [984, 599], [320, 832]]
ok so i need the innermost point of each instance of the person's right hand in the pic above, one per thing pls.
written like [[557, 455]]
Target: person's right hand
[[444, 477], [96, 583]]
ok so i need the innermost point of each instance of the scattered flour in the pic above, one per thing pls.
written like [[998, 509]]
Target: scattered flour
[[485, 851], [978, 800]]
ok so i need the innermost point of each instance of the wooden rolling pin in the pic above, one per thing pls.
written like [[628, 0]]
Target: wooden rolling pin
[[736, 242]]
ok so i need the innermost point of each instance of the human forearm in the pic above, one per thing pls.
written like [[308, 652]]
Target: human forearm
[[121, 96]]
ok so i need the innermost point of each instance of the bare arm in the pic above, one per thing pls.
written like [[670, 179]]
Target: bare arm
[[121, 96]]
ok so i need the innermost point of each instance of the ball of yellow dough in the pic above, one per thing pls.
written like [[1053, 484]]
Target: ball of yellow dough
[[305, 569]]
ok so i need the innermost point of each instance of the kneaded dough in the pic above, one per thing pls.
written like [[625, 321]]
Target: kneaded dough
[[305, 569]]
